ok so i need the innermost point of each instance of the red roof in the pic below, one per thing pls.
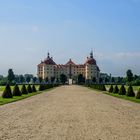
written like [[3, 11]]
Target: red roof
[[91, 61], [70, 62], [49, 61]]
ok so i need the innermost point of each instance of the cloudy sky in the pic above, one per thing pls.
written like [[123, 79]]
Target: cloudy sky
[[70, 29]]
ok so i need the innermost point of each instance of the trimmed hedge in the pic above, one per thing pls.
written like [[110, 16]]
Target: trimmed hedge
[[130, 92], [116, 89], [122, 90], [7, 92], [29, 89], [138, 94], [34, 88], [111, 89], [16, 91], [24, 90]]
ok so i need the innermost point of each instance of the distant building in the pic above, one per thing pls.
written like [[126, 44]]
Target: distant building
[[48, 69]]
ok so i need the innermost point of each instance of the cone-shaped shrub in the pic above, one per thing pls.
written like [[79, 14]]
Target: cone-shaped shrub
[[41, 87], [111, 89], [122, 90], [33, 88], [24, 90], [29, 89], [130, 92], [116, 89], [7, 92], [103, 88], [138, 94], [16, 91]]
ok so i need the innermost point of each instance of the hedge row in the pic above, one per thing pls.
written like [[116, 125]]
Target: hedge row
[[122, 91], [8, 93], [98, 87]]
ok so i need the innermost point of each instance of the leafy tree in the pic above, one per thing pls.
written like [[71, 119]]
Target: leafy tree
[[111, 89], [11, 75], [40, 79], [106, 79], [24, 90], [7, 92], [113, 80], [17, 80], [122, 90], [94, 79], [52, 79], [100, 80], [34, 79], [63, 78], [28, 79], [21, 79], [138, 94], [81, 79], [46, 79], [129, 75], [16, 91], [130, 92]]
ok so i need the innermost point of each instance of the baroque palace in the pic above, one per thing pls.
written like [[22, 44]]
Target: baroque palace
[[48, 68]]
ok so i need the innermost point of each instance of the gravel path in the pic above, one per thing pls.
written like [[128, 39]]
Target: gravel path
[[70, 113]]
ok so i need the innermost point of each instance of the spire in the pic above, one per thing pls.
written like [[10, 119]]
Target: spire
[[48, 55], [91, 54]]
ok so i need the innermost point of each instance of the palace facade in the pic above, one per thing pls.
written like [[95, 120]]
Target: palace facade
[[48, 69]]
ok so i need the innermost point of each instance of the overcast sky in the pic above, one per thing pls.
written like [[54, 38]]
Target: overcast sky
[[70, 29]]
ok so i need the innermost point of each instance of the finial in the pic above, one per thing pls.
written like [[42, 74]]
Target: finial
[[91, 54], [48, 55]]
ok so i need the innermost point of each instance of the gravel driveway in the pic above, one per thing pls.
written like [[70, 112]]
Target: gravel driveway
[[70, 113]]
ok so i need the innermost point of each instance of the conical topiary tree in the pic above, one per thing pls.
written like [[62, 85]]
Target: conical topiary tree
[[130, 92], [16, 91], [7, 92], [138, 94], [29, 89], [116, 89], [33, 88], [111, 89], [122, 90], [41, 87], [24, 90], [103, 88]]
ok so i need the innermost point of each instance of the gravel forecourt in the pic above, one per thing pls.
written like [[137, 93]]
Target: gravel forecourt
[[70, 113]]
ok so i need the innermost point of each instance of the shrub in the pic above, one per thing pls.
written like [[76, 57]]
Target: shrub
[[103, 88], [7, 92], [138, 94], [111, 89], [122, 90], [41, 87], [29, 89], [130, 92], [116, 89], [33, 88], [24, 90], [16, 91]]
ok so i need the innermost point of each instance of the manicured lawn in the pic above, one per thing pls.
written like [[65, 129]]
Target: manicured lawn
[[133, 99]]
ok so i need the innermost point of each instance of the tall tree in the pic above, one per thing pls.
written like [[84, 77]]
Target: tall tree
[[94, 79], [46, 79], [28, 79], [11, 75], [21, 78], [34, 79], [40, 79], [52, 79], [63, 78], [129, 75]]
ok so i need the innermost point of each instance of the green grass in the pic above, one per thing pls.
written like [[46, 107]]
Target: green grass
[[17, 98], [133, 99]]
